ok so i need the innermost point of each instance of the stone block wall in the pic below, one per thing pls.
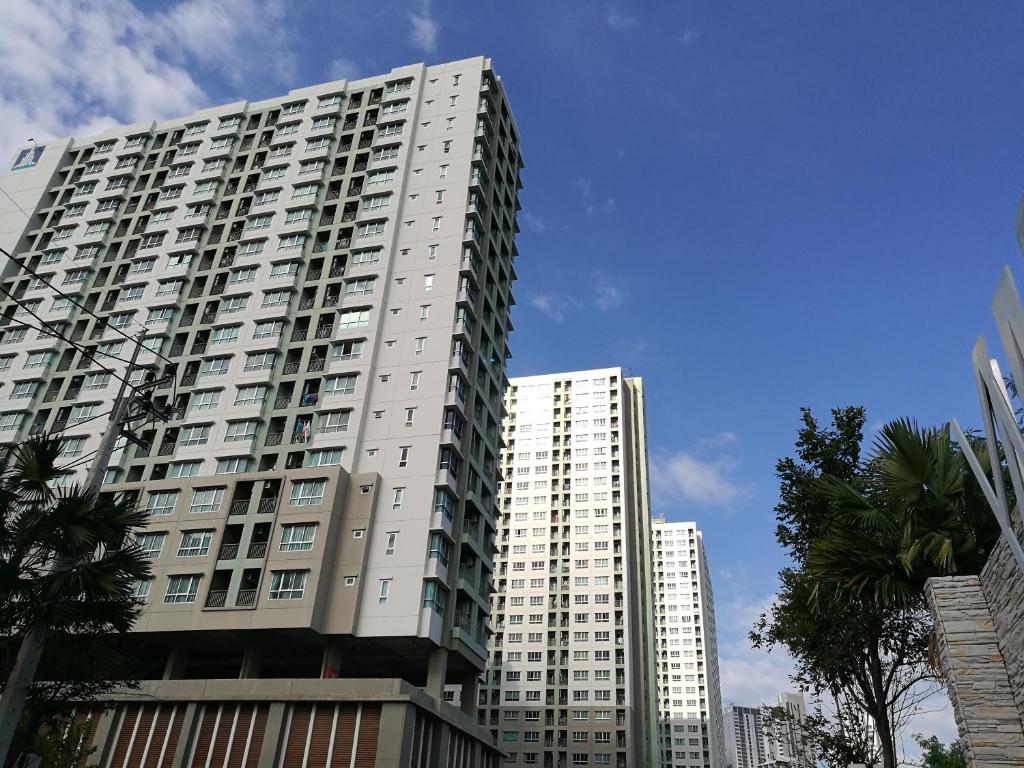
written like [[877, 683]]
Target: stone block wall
[[1003, 584]]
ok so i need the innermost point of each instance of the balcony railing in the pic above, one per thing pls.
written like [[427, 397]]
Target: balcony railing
[[239, 506], [267, 504], [216, 598], [246, 598], [228, 552], [273, 438], [257, 549]]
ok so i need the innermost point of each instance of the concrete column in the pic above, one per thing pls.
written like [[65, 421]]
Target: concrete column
[[252, 659], [470, 680], [972, 663], [106, 730], [189, 715], [437, 672], [177, 659], [331, 665], [273, 736], [394, 742]]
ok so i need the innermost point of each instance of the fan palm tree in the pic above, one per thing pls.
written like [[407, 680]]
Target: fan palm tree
[[68, 568], [915, 511]]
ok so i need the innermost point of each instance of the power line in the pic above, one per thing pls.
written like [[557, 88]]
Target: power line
[[46, 329], [21, 263]]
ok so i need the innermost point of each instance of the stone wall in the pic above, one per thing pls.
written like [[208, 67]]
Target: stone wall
[[1003, 584], [972, 664]]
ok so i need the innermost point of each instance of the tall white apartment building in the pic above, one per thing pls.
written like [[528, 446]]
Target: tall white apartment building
[[567, 681], [324, 280], [745, 744], [784, 744], [690, 728]]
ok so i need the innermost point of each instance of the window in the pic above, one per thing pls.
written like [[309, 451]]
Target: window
[[410, 416], [435, 224], [182, 589], [376, 202], [268, 329], [140, 590], [383, 176], [329, 102], [298, 537], [150, 544], [276, 298], [195, 543], [251, 395], [287, 585], [259, 361], [291, 242], [24, 389], [348, 350], [233, 465], [307, 493], [328, 457], [371, 256], [205, 401], [385, 590], [195, 435], [354, 318], [340, 385], [184, 469], [243, 275], [360, 287], [225, 335], [403, 456], [160, 315], [233, 303], [205, 500], [9, 421], [238, 431], [334, 421]]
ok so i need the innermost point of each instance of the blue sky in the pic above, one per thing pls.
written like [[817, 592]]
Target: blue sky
[[755, 206]]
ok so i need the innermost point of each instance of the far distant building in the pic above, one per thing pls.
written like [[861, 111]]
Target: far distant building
[[785, 745], [745, 745]]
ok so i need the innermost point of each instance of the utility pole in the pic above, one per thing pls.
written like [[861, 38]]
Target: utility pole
[[127, 408]]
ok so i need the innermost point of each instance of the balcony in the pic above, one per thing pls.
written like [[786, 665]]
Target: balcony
[[166, 449], [246, 598], [266, 505], [257, 549], [273, 438], [228, 551], [239, 507], [216, 598]]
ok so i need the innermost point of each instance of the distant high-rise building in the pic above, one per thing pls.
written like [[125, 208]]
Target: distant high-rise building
[[569, 675], [745, 744], [323, 282], [690, 729], [785, 746]]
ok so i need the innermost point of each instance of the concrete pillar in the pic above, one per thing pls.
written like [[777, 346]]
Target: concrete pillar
[[331, 665], [106, 731], [273, 736], [177, 659], [437, 673], [252, 659], [394, 742], [189, 714], [470, 680]]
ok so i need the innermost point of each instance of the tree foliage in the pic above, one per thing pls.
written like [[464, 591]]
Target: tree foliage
[[68, 565], [863, 535], [935, 755]]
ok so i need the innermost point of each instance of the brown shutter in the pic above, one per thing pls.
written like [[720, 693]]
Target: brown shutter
[[237, 747], [342, 757], [259, 727], [176, 719], [156, 744], [204, 739], [369, 728], [124, 735], [320, 740], [87, 721], [220, 738], [295, 743]]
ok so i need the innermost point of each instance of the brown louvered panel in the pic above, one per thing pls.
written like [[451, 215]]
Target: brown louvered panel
[[177, 722], [204, 739], [237, 746], [295, 744], [342, 757], [156, 743], [258, 729], [141, 735], [320, 740], [223, 734], [124, 736], [369, 728]]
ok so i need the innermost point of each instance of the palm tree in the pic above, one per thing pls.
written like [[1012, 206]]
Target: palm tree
[[915, 511], [68, 568]]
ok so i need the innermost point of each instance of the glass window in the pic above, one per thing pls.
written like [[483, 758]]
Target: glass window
[[205, 500], [307, 493], [298, 537], [182, 589], [287, 585], [195, 543]]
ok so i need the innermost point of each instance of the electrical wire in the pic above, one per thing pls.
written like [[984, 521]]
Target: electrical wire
[[21, 263], [45, 329]]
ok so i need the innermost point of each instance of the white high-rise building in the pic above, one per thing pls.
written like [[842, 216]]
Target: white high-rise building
[[568, 680], [690, 728], [322, 282], [745, 745]]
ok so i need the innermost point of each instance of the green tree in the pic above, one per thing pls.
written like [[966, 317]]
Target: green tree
[[935, 755], [863, 536], [68, 566]]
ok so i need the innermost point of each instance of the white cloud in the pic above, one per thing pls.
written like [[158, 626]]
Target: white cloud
[[618, 20], [689, 36], [75, 67], [343, 69], [688, 477], [607, 295], [423, 29], [552, 304], [534, 223]]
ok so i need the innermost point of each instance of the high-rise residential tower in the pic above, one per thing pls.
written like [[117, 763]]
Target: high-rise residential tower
[[744, 737], [568, 681], [323, 279], [690, 729], [784, 744]]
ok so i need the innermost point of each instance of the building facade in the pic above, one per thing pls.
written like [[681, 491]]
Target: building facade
[[323, 282], [690, 728], [744, 737], [567, 681], [784, 743]]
